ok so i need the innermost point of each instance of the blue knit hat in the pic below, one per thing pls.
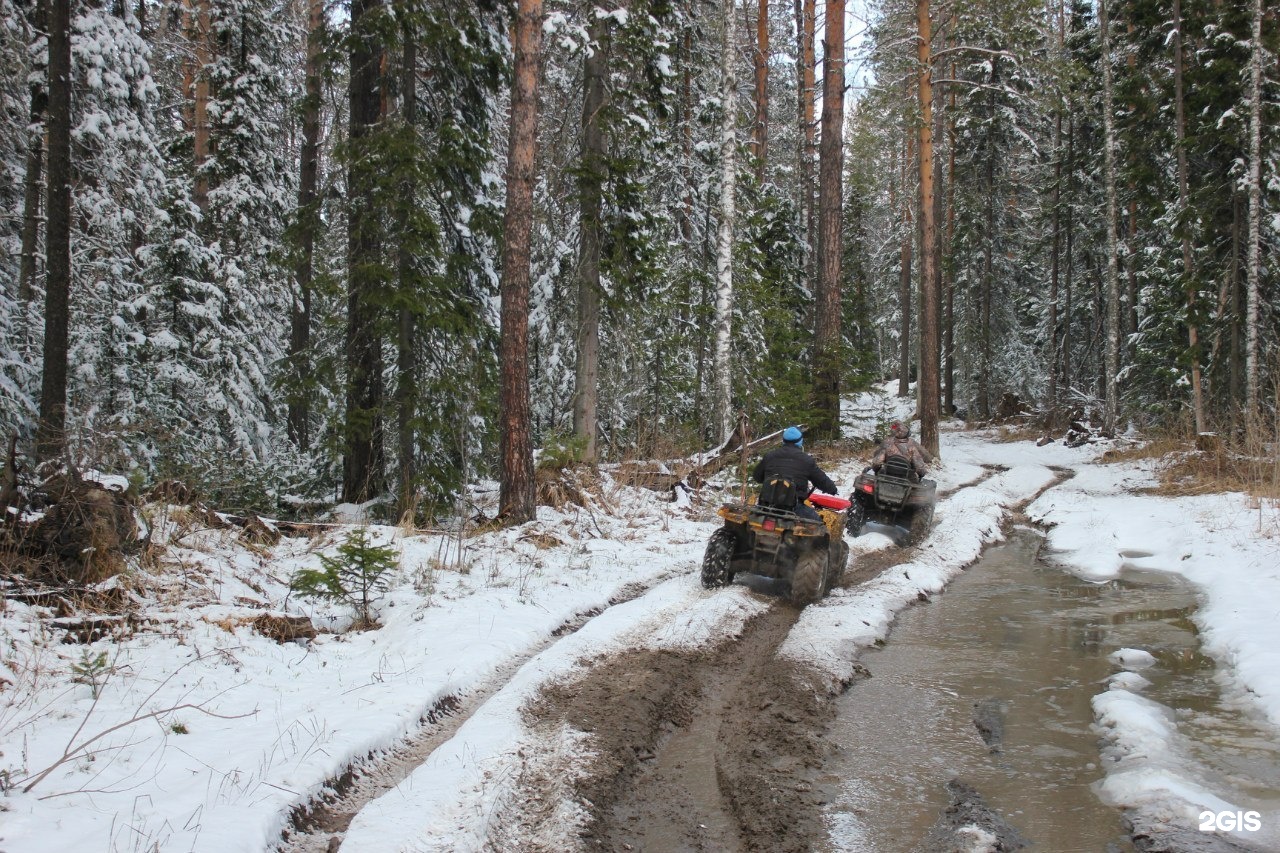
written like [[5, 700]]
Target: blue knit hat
[[792, 435]]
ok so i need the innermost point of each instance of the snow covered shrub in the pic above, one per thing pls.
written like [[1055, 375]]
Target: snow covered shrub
[[357, 576]]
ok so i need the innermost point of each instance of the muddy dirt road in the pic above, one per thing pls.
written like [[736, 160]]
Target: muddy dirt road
[[718, 746]]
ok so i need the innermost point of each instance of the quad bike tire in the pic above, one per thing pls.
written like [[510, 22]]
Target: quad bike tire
[[918, 529], [717, 558], [836, 565], [808, 581], [856, 519]]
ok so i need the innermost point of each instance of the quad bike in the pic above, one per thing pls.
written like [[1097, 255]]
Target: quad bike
[[776, 543], [891, 497]]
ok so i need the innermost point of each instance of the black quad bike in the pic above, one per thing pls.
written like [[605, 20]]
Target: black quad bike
[[892, 497], [774, 542]]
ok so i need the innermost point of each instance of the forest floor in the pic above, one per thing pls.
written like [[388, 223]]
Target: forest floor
[[570, 686]]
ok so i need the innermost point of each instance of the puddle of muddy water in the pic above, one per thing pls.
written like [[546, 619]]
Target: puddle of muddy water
[[1025, 647]]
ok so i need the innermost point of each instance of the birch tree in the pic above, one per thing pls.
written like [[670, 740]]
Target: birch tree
[[1112, 361], [1254, 263], [722, 369]]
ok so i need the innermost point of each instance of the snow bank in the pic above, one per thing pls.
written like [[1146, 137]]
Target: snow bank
[[255, 728], [446, 804]]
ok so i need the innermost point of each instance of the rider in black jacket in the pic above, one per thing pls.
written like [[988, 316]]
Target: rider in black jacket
[[790, 461]]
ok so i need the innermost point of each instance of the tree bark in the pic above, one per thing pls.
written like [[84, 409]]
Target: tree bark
[[948, 268], [363, 465], [929, 301], [1253, 264], [722, 369], [826, 344], [51, 433], [806, 15], [904, 272], [1052, 320], [1069, 253], [988, 251], [1051, 416], [809, 65], [590, 183], [1112, 360], [203, 38], [33, 182], [406, 326], [516, 494], [1188, 261], [760, 130], [308, 177]]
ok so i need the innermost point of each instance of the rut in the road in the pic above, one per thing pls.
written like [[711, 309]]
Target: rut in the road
[[319, 824], [692, 750], [718, 749]]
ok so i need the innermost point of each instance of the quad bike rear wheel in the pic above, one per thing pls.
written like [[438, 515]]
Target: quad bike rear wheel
[[836, 565], [809, 579], [919, 526], [857, 518], [716, 560]]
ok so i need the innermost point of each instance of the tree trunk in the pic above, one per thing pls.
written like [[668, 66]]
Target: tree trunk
[[33, 182], [406, 331], [590, 183], [760, 131], [1188, 262], [1069, 253], [1253, 265], [826, 344], [722, 369], [904, 272], [308, 177], [1235, 309], [988, 254], [929, 301], [363, 466], [805, 91], [516, 495], [1056, 241], [949, 268], [1112, 360], [203, 38], [1052, 320], [51, 434]]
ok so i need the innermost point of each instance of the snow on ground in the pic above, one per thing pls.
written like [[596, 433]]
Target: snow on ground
[[204, 734], [1228, 547]]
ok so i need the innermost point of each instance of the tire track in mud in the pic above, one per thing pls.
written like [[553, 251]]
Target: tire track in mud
[[721, 750], [718, 749], [317, 826]]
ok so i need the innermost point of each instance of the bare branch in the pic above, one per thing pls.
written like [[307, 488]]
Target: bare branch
[[75, 751]]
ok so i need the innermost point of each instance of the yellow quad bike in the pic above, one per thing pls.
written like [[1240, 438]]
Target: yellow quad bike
[[776, 543]]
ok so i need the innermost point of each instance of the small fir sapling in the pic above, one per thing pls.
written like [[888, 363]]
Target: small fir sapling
[[357, 576]]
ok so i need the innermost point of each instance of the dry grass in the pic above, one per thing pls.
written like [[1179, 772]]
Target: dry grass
[[1220, 467], [1018, 432], [836, 452]]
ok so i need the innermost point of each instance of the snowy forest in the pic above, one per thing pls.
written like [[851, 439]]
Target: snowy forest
[[291, 252]]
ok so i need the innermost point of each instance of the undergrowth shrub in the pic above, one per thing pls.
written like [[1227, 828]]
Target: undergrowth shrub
[[357, 576]]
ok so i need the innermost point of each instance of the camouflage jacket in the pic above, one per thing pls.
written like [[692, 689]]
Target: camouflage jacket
[[907, 448]]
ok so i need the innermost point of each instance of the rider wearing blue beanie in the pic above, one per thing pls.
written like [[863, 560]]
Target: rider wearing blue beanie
[[799, 468]]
